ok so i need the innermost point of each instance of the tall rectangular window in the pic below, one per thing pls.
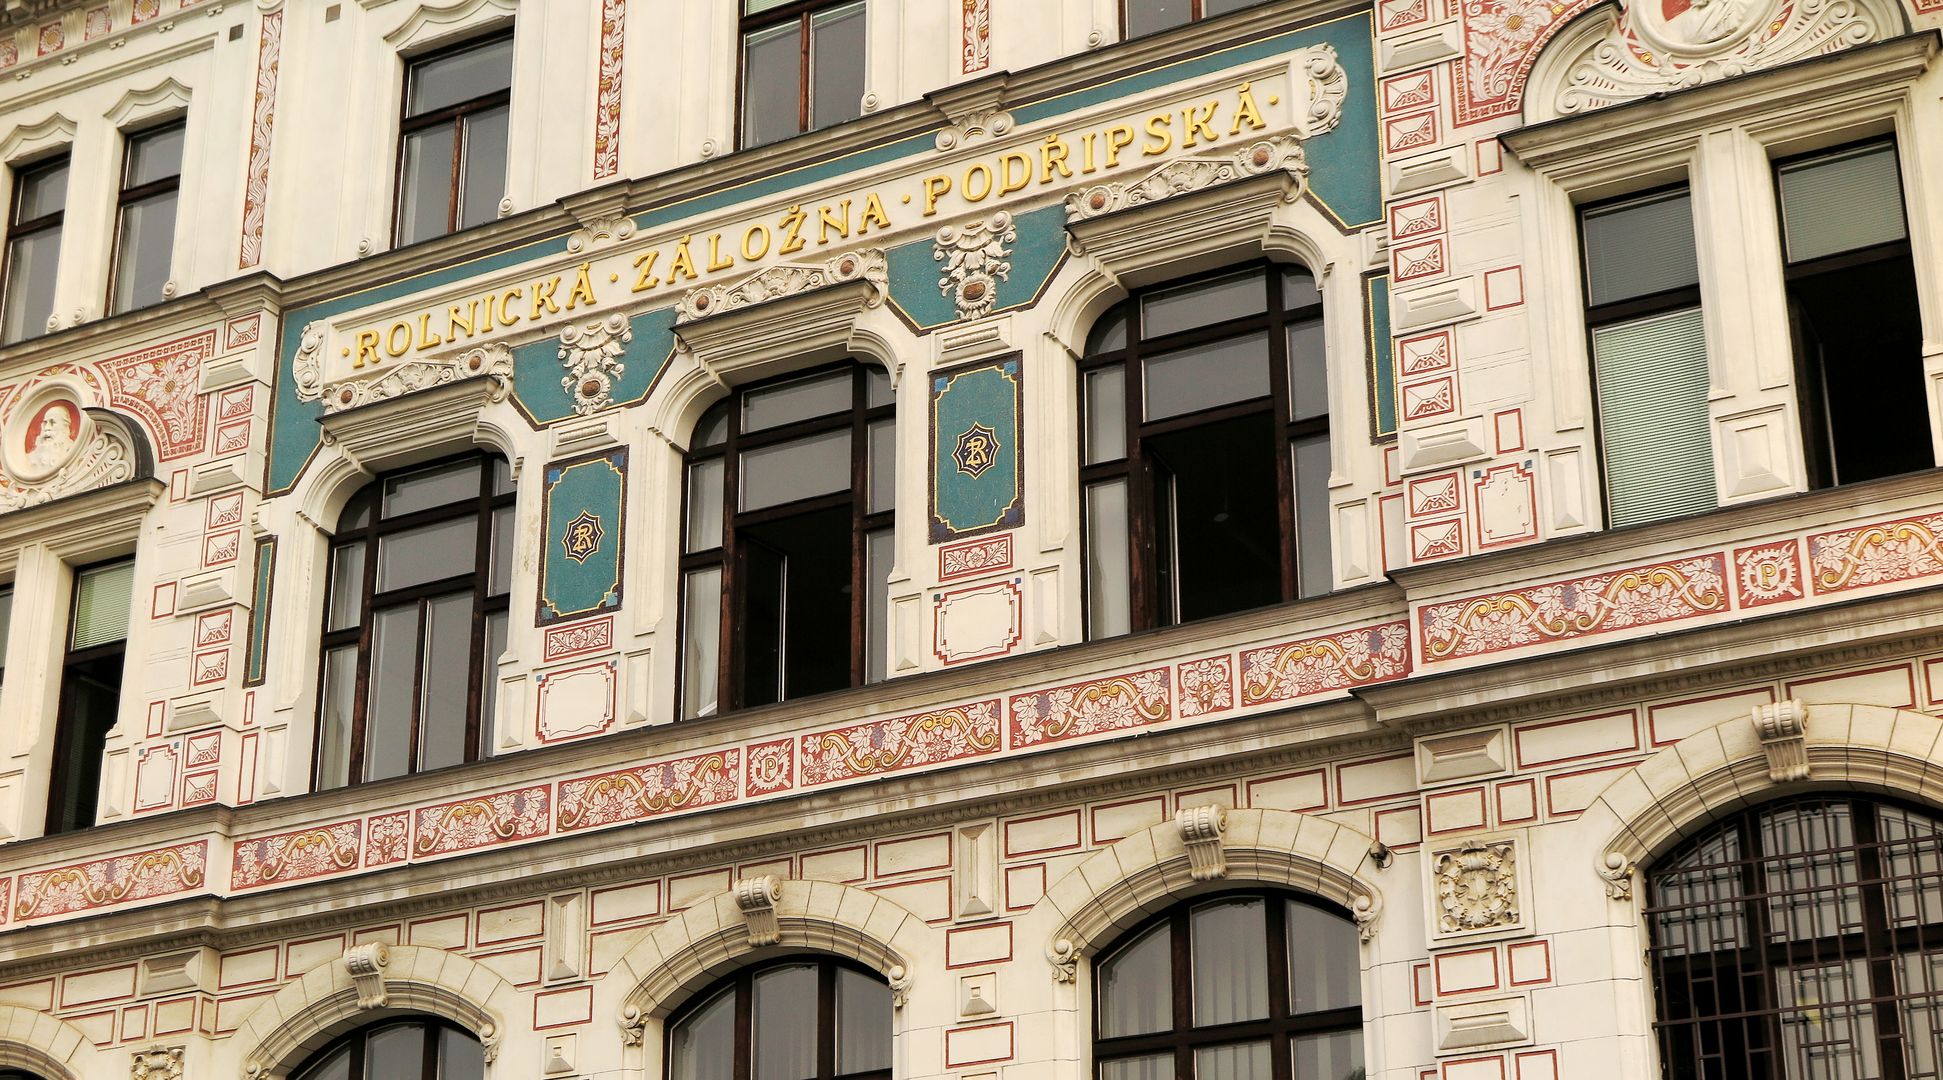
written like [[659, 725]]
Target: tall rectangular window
[[452, 139], [151, 185], [1853, 310], [6, 621], [1143, 17], [1649, 356], [802, 67], [90, 691], [33, 248]]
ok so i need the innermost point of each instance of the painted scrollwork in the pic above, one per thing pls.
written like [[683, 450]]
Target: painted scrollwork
[[591, 354], [976, 257], [789, 279], [1476, 887], [1196, 172]]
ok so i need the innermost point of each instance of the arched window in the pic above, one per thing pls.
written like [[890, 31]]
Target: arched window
[[414, 619], [1204, 436], [1802, 939], [1241, 986], [804, 1018], [786, 551], [409, 1048], [17, 1074]]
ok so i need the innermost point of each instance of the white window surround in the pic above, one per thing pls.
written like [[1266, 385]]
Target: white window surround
[[1722, 137]]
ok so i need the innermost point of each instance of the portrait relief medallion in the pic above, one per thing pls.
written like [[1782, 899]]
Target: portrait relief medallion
[[43, 434]]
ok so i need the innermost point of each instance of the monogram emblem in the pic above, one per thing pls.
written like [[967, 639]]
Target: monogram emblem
[[977, 450], [582, 538]]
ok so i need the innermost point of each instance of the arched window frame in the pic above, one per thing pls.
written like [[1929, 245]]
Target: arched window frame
[[492, 509], [873, 409], [1874, 949], [357, 1039], [1184, 1038], [740, 983], [1134, 468]]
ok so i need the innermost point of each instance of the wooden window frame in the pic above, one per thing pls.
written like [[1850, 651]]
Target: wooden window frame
[[1760, 957], [431, 1026], [16, 228], [1136, 470], [729, 658], [741, 983], [1197, 11], [456, 114], [166, 185], [800, 12], [1280, 1028], [64, 723], [478, 580]]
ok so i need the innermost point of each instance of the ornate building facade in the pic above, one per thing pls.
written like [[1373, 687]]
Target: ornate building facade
[[992, 539]]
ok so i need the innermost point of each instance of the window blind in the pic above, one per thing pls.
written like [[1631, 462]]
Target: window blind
[[1654, 431], [1639, 247], [1842, 201], [103, 597]]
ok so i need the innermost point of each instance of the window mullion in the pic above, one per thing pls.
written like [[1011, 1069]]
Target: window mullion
[[366, 622], [803, 80], [728, 685], [1283, 403]]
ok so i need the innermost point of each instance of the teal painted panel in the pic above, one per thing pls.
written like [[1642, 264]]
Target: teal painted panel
[[977, 460], [256, 652], [586, 504], [915, 270], [537, 372], [1381, 357]]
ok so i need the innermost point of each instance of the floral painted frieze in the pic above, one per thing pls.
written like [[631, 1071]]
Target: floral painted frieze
[[902, 742], [613, 798], [1115, 703], [121, 879], [1315, 665], [293, 856], [1879, 553], [485, 821], [160, 384], [1633, 598]]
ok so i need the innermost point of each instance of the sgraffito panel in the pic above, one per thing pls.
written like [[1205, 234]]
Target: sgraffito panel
[[977, 465], [580, 569]]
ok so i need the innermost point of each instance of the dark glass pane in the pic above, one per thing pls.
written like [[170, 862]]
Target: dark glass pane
[[90, 697], [1299, 289], [836, 65], [153, 155], [798, 469], [1217, 527], [503, 480], [103, 603], [503, 539], [797, 606], [427, 553], [713, 428], [1151, 16], [783, 1028], [701, 636], [1109, 605], [877, 573], [1912, 858], [425, 184], [883, 466], [334, 717], [799, 399], [1222, 7], [702, 1046], [31, 264], [863, 1023], [445, 682], [1810, 871], [705, 480], [772, 74], [1325, 969], [489, 687], [878, 391], [1312, 552], [334, 1066], [441, 485], [1236, 1061], [462, 76], [144, 251], [1228, 940], [397, 1051], [1866, 386], [1639, 247], [1336, 1056], [1202, 303], [1145, 1067], [40, 190], [6, 620], [1106, 414], [1136, 986], [394, 672], [1205, 376], [461, 1057], [1841, 201], [1109, 334], [1308, 371], [484, 167], [357, 512], [757, 7]]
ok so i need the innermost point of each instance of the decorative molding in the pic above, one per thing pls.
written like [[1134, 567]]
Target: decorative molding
[[1477, 887], [430, 21], [256, 182], [492, 360], [757, 898], [607, 90], [987, 123], [1201, 828], [157, 1063], [1196, 172], [1328, 87], [977, 256], [867, 265], [599, 233], [1616, 870], [592, 353], [95, 453], [1783, 731], [366, 965]]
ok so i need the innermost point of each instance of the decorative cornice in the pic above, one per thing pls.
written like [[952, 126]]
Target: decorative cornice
[[757, 897], [366, 965], [867, 265], [1196, 172], [1201, 828], [1783, 730]]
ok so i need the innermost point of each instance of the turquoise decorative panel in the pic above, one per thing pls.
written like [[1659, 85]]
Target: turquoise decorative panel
[[586, 504], [977, 462], [1381, 357], [915, 270], [255, 653], [537, 371]]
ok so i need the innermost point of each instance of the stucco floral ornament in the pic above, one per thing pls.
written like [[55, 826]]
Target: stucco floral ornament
[[1477, 887], [592, 354], [976, 258]]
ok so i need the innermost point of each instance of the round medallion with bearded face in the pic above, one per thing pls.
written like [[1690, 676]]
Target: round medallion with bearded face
[[43, 435]]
